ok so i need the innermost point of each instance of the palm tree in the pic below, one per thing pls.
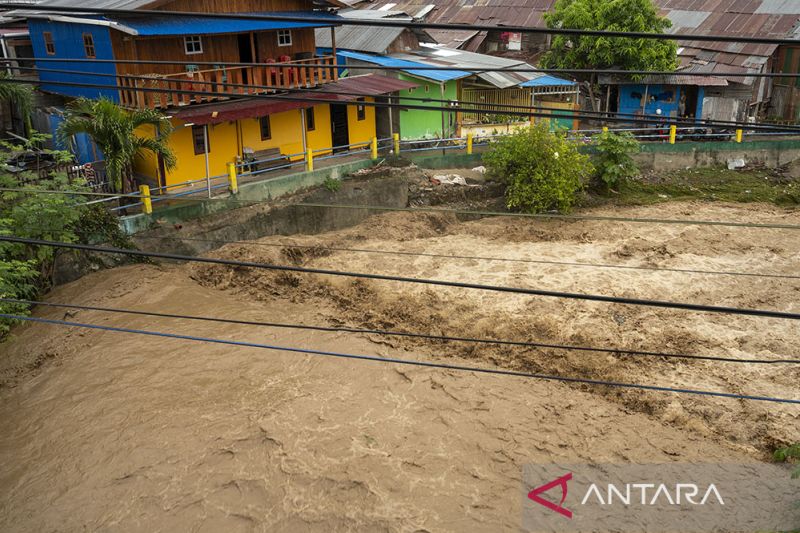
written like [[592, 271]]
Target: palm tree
[[20, 96], [113, 130]]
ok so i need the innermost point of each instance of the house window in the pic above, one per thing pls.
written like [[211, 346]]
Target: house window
[[361, 110], [284, 37], [49, 45], [427, 88], [266, 128], [199, 140], [88, 45], [193, 44], [310, 123]]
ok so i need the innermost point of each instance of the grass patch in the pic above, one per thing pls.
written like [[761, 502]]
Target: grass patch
[[705, 184]]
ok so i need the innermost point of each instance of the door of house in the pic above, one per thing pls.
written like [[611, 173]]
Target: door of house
[[339, 130], [245, 54]]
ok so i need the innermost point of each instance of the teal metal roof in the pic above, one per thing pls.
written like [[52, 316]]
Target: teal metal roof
[[160, 26], [406, 66], [547, 81]]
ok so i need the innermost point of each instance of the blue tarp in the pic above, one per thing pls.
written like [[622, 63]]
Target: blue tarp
[[406, 66], [167, 25], [547, 81]]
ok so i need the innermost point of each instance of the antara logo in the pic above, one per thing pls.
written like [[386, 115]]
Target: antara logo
[[629, 494]]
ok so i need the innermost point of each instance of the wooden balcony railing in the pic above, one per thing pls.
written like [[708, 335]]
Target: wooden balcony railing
[[196, 87]]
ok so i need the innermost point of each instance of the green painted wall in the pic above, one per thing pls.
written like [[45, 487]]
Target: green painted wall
[[419, 124]]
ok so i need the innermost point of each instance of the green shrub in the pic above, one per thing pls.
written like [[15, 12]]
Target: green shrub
[[613, 161], [333, 185], [543, 170], [789, 454]]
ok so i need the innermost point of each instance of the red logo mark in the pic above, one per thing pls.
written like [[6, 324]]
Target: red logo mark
[[562, 482]]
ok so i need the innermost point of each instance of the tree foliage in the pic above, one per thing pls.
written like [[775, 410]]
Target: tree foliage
[[114, 130], [584, 51], [542, 170], [613, 161], [18, 95]]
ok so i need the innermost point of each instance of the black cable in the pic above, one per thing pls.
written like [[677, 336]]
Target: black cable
[[614, 72], [388, 333], [456, 109], [467, 257], [31, 11], [461, 106], [421, 281], [443, 366]]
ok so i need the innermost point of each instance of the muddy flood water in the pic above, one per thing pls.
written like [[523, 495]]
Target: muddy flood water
[[103, 430]]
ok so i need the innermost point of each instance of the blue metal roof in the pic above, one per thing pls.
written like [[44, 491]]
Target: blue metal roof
[[406, 66], [547, 81], [152, 26]]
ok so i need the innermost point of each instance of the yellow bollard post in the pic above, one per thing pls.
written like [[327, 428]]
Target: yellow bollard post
[[605, 129], [233, 180], [146, 201], [309, 160], [739, 136], [374, 147], [396, 138], [673, 133], [469, 143]]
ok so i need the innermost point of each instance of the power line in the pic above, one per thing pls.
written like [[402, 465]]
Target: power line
[[663, 122], [43, 10], [468, 257], [555, 216], [427, 364], [421, 67], [421, 281], [461, 106], [389, 333]]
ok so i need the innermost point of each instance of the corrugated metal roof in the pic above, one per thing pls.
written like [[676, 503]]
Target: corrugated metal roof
[[406, 66], [152, 26], [547, 80], [361, 38], [217, 113]]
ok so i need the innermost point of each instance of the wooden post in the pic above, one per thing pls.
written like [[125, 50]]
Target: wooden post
[[374, 147], [739, 136], [310, 159], [673, 133], [605, 129], [147, 203], [469, 143], [396, 138], [233, 182]]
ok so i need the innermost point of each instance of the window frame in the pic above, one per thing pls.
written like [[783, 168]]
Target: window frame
[[49, 43], [200, 148], [311, 120], [285, 33], [196, 42], [262, 121], [361, 110], [88, 43]]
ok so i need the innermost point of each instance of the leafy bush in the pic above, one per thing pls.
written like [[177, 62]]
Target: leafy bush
[[787, 455], [542, 170], [613, 161], [333, 185]]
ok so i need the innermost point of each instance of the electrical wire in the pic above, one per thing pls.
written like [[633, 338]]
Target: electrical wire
[[409, 362], [389, 333], [31, 11], [467, 257], [663, 122], [421, 67], [763, 313], [556, 216], [460, 106]]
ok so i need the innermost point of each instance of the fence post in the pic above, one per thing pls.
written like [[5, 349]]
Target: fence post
[[605, 129], [739, 136], [374, 147], [673, 133], [396, 138], [233, 180], [147, 203], [469, 143], [310, 159]]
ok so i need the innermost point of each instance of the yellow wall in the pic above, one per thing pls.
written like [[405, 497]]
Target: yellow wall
[[322, 136], [223, 148], [285, 130], [146, 163], [361, 130]]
